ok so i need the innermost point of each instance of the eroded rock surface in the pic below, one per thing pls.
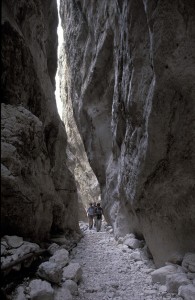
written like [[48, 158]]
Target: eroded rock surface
[[86, 182], [130, 75], [38, 191]]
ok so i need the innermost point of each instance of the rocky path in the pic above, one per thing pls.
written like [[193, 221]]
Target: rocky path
[[113, 271]]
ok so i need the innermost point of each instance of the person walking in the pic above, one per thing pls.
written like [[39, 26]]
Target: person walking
[[99, 212], [90, 214], [95, 215]]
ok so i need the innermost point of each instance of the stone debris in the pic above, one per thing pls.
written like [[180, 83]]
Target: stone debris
[[13, 241], [19, 293], [71, 285], [41, 290], [133, 243], [53, 248], [187, 292], [109, 272], [73, 271], [60, 257], [160, 274], [62, 294], [188, 263], [50, 271], [102, 268], [174, 281], [13, 248]]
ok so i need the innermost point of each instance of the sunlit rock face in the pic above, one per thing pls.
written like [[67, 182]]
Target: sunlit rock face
[[38, 191], [86, 182], [130, 76]]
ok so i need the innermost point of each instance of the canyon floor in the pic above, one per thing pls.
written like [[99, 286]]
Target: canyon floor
[[109, 272]]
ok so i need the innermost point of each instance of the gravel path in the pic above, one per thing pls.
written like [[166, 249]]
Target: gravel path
[[110, 273]]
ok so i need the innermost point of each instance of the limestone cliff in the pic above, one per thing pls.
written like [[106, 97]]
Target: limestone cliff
[[38, 191], [130, 76], [86, 182]]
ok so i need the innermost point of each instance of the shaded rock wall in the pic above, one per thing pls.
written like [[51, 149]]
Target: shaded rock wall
[[38, 191], [130, 70]]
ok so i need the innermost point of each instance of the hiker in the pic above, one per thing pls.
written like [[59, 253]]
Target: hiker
[[95, 216], [90, 214], [99, 212]]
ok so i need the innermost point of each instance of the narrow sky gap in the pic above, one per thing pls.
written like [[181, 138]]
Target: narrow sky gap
[[60, 42]]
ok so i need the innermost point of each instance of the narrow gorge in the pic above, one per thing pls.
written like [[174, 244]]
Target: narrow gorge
[[126, 137]]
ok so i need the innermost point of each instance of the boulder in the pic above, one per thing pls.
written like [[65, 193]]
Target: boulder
[[25, 248], [188, 263], [53, 248], [160, 274], [129, 236], [40, 290], [19, 293], [62, 294], [174, 281], [187, 292], [135, 256], [60, 257], [71, 285], [50, 271], [133, 243], [73, 271], [13, 241]]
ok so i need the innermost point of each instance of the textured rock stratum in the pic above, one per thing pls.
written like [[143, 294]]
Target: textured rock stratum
[[130, 75], [86, 182], [38, 191]]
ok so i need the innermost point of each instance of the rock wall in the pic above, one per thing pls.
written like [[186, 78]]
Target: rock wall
[[130, 70], [38, 191], [86, 182]]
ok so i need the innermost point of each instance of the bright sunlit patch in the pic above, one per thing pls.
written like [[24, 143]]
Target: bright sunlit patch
[[60, 41]]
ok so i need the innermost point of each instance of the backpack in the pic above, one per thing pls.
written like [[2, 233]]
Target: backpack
[[99, 213]]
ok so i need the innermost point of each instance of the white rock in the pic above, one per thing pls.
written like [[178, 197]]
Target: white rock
[[163, 289], [129, 236], [72, 271], [50, 271], [133, 243], [60, 257], [25, 248], [13, 241], [62, 294], [187, 292], [53, 248], [41, 290], [135, 256], [71, 285], [160, 274], [125, 248], [19, 294], [188, 263], [174, 281]]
